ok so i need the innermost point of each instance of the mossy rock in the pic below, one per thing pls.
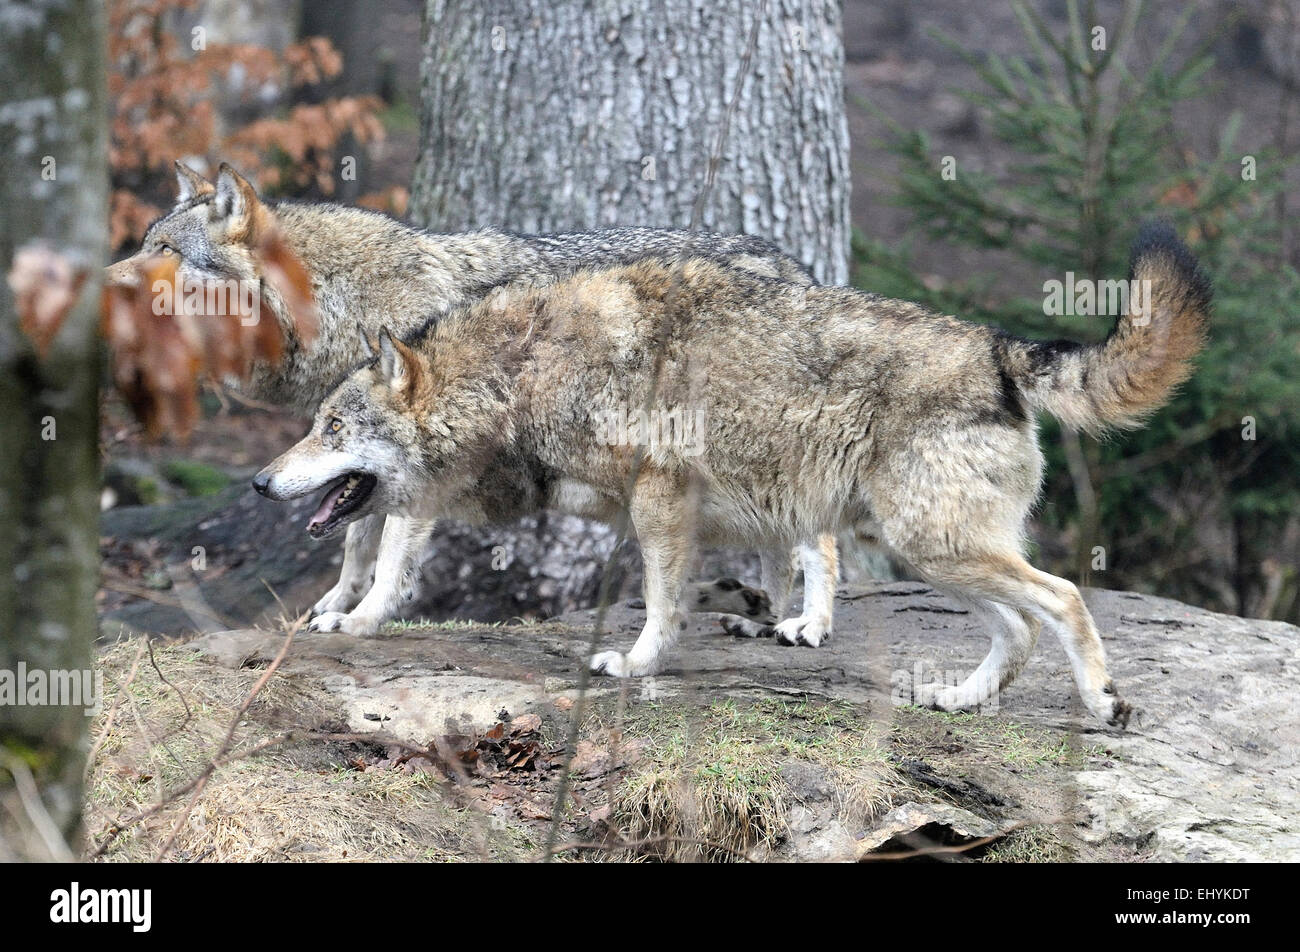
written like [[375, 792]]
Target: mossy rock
[[197, 479]]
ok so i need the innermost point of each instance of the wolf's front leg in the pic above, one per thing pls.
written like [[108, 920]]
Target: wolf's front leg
[[360, 550], [663, 527], [821, 572], [397, 570]]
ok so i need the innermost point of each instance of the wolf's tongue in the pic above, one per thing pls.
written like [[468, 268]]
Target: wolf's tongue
[[327, 504]]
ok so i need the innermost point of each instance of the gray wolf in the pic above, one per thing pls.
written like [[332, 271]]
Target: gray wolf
[[826, 407], [370, 269]]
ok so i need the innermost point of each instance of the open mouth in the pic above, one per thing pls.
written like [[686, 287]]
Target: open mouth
[[343, 496]]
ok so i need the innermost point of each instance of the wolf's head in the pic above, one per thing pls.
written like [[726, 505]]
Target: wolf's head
[[402, 432], [364, 446], [213, 231]]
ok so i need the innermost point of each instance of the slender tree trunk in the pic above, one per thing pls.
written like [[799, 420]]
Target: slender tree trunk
[[53, 135], [553, 115]]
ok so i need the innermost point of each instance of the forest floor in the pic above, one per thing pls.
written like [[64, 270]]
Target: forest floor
[[448, 742]]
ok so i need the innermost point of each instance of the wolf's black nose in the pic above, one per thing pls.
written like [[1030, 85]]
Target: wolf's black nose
[[261, 482]]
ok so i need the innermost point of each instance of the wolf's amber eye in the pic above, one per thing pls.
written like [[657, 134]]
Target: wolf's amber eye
[[166, 250], [336, 425]]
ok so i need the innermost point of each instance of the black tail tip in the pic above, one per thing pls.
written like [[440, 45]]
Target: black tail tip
[[1157, 238]]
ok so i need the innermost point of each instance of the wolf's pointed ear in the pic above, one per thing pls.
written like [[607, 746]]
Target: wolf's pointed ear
[[393, 358], [366, 349], [237, 202], [190, 183]]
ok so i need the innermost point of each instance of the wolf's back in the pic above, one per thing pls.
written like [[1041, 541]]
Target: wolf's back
[[1130, 375], [572, 251]]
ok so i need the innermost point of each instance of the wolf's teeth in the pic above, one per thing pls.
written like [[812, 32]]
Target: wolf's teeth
[[352, 481]]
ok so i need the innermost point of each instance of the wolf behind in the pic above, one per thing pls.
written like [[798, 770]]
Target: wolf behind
[[825, 406], [367, 267], [370, 269]]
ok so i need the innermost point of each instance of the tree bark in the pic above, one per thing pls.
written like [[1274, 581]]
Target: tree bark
[[555, 115], [53, 134]]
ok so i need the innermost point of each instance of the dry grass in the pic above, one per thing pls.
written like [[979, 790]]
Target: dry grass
[[299, 800], [275, 811], [715, 789], [712, 783], [1031, 844]]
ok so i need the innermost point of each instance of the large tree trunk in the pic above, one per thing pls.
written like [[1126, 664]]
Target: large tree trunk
[[554, 115], [53, 117], [560, 115]]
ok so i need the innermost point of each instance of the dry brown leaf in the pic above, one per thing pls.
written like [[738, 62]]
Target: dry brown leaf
[[282, 270], [530, 810], [160, 346], [46, 286], [525, 724]]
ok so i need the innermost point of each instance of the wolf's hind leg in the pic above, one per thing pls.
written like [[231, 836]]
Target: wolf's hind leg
[[777, 575], [360, 549], [821, 574], [1014, 635], [397, 570], [730, 596], [662, 519], [1007, 578]]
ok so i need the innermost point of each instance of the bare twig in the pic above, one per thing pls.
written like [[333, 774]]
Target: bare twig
[[118, 827], [867, 856], [189, 715], [140, 721]]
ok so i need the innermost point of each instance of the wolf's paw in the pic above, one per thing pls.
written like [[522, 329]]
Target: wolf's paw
[[1110, 707], [340, 599], [744, 628], [612, 663], [802, 631], [351, 623], [941, 697], [1120, 714], [619, 665], [732, 597], [327, 621]]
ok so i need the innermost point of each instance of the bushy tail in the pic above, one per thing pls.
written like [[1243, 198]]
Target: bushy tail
[[1121, 381]]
